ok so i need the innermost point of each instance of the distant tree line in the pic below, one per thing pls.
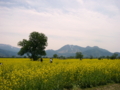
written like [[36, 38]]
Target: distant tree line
[[114, 56], [80, 56]]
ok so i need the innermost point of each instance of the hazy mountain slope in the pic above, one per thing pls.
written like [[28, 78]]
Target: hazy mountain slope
[[9, 48], [96, 52], [66, 50], [70, 50], [50, 53], [6, 53]]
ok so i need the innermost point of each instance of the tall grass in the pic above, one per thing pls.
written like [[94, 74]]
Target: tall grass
[[23, 74]]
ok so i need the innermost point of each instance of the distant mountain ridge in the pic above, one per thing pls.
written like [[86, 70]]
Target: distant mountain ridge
[[66, 50], [8, 50], [70, 50]]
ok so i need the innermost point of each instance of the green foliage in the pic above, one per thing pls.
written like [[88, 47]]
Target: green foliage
[[114, 56], [62, 57], [100, 58], [71, 57], [91, 57], [119, 57], [55, 56], [79, 55], [34, 47], [13, 56]]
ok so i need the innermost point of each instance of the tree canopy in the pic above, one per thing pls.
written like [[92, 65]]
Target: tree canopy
[[79, 55], [34, 48], [55, 56], [114, 56]]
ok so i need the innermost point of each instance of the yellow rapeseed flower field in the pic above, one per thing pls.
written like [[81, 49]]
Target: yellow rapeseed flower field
[[23, 74]]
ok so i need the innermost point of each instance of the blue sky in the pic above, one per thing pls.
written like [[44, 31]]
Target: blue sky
[[75, 22]]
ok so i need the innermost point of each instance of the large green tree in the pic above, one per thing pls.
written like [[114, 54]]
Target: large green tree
[[79, 55], [34, 48]]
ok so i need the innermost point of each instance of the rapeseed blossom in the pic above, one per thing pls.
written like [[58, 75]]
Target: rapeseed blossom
[[23, 74]]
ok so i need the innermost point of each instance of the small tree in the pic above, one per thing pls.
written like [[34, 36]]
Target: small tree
[[13, 56], [34, 47], [79, 55], [114, 56], [91, 57], [100, 58], [55, 56]]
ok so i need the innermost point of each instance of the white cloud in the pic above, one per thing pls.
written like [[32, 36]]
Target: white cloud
[[81, 26], [80, 1]]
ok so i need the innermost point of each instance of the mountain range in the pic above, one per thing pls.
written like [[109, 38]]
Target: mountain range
[[8, 50], [70, 50], [67, 51]]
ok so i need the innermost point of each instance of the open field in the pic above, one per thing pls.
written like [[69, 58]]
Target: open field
[[23, 74]]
